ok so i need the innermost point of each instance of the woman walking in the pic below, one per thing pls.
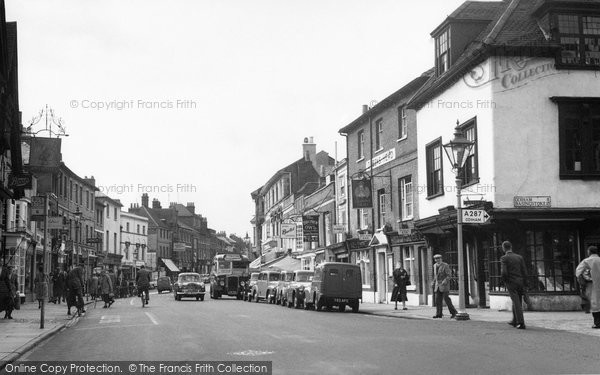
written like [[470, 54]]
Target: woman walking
[[41, 286], [6, 292]]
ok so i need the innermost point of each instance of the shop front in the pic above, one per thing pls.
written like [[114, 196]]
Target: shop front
[[409, 247], [362, 255]]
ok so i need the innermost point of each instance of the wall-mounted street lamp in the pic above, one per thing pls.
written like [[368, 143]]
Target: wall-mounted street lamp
[[458, 151]]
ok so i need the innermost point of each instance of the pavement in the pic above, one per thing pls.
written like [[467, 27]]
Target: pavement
[[23, 333]]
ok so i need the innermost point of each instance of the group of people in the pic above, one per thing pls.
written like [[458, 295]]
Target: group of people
[[514, 275]]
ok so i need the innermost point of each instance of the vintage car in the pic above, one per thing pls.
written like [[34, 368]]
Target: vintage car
[[296, 291], [189, 284], [284, 281], [266, 286], [335, 284], [249, 285], [164, 283]]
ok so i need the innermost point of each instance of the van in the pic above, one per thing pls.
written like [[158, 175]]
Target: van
[[335, 284]]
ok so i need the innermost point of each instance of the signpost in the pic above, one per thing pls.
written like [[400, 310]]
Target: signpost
[[474, 216]]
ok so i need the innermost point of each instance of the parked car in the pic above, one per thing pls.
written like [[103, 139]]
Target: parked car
[[164, 283], [335, 284], [296, 291], [284, 281], [249, 285], [153, 283], [266, 286], [189, 284]]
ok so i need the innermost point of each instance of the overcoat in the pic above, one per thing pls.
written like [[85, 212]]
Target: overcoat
[[441, 281], [591, 264]]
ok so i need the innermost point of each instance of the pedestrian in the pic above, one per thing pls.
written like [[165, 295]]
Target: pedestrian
[[105, 287], [58, 285], [441, 287], [41, 286], [514, 275], [93, 286], [401, 280], [14, 283], [6, 292], [75, 284], [591, 267]]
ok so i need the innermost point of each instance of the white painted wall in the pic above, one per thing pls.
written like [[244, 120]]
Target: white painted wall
[[438, 118], [526, 124]]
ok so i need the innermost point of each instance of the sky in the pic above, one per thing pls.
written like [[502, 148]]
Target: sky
[[203, 101]]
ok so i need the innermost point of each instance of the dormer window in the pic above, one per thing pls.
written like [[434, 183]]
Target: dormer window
[[580, 39], [442, 52]]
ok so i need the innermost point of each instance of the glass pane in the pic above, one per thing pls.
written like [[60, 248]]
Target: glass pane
[[570, 50], [592, 51], [591, 25], [567, 24]]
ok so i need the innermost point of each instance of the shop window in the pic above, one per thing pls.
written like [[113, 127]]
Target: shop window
[[408, 260], [365, 268]]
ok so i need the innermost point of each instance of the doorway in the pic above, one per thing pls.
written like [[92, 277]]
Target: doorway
[[424, 281]]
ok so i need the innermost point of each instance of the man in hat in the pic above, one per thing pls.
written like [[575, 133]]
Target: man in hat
[[441, 287], [514, 275]]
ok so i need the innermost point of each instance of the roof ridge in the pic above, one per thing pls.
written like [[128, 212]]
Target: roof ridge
[[489, 39]]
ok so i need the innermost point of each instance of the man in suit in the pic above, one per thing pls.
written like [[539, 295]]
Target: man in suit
[[514, 275], [441, 287]]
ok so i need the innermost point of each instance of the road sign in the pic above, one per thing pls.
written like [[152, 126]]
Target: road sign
[[474, 216], [404, 232]]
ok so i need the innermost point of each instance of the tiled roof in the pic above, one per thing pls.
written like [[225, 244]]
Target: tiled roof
[[477, 10], [513, 31]]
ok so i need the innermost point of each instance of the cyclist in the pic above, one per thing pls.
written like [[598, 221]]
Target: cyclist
[[143, 282]]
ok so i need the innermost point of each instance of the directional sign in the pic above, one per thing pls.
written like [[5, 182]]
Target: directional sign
[[474, 216], [55, 222]]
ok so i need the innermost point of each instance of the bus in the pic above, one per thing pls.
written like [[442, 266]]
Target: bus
[[229, 275]]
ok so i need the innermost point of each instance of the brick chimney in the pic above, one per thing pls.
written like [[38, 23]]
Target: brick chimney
[[309, 150], [145, 200], [190, 207], [156, 204]]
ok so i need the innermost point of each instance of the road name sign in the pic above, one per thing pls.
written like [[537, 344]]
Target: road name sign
[[474, 216]]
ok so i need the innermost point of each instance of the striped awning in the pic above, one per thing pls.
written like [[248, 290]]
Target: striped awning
[[170, 265]]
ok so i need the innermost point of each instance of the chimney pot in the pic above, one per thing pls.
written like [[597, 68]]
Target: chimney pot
[[365, 108]]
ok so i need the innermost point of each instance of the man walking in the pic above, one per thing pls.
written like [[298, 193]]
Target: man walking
[[589, 270], [76, 284], [441, 287], [514, 275]]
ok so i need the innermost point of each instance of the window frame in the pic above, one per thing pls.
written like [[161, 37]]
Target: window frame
[[580, 36], [402, 123], [439, 53], [402, 198], [470, 124], [432, 191], [586, 171], [378, 134], [381, 207], [361, 144]]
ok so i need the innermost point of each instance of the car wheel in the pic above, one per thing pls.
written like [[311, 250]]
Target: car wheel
[[202, 297], [197, 298], [255, 297], [355, 306]]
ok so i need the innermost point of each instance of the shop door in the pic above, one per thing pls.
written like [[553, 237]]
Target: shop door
[[381, 277], [424, 282]]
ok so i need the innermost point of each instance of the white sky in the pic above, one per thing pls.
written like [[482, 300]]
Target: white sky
[[259, 77]]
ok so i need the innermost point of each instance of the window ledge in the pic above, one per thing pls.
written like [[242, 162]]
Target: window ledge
[[579, 176], [379, 150], [361, 159], [471, 183], [408, 218], [429, 197], [402, 139]]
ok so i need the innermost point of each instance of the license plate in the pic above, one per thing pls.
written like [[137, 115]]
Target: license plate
[[340, 300]]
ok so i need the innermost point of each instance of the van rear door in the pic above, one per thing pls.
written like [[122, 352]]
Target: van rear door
[[334, 283]]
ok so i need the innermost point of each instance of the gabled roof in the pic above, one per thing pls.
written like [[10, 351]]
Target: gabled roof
[[473, 11], [153, 218], [103, 197], [514, 31]]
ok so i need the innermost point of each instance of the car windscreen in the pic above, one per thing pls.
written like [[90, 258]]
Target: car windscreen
[[189, 278], [302, 277], [274, 277], [254, 276]]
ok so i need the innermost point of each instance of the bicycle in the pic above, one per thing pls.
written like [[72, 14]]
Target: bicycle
[[142, 293]]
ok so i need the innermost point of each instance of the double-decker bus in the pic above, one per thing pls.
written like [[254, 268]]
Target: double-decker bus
[[229, 275]]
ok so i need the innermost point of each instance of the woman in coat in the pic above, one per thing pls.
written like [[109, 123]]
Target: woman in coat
[[41, 286], [105, 288], [401, 280], [6, 293], [590, 268]]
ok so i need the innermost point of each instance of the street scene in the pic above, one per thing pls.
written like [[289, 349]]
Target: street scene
[[269, 187]]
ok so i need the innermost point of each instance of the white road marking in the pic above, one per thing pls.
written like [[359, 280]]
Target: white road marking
[[152, 318], [251, 353], [119, 326], [105, 319]]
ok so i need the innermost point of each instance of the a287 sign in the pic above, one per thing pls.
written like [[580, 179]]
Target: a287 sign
[[474, 216]]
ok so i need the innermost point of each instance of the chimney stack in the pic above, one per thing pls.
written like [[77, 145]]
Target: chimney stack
[[156, 204], [191, 207], [145, 200], [365, 108]]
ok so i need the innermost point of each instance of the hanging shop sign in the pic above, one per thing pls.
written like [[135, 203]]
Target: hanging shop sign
[[310, 228], [361, 194], [288, 230]]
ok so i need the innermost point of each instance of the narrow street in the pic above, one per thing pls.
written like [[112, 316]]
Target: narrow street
[[310, 342]]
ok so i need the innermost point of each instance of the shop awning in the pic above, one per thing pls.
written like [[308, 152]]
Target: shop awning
[[170, 265]]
